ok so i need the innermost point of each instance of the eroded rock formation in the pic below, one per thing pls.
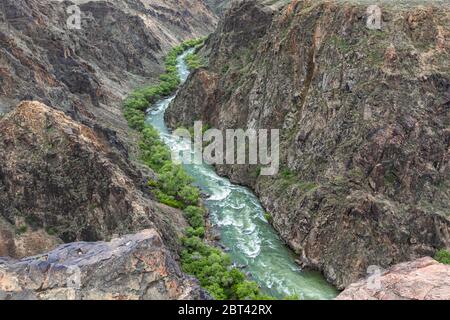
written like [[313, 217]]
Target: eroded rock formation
[[87, 72], [62, 178], [129, 268]]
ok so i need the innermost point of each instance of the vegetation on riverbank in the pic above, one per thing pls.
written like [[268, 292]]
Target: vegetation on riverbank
[[173, 187]]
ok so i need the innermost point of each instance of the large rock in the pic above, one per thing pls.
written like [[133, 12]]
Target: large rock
[[129, 268], [422, 279], [363, 117]]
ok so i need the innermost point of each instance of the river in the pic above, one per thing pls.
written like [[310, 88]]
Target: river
[[238, 214]]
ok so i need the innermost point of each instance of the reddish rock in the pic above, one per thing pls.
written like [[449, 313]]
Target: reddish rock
[[422, 279]]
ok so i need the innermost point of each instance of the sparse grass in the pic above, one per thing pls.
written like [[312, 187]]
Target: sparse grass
[[443, 256], [287, 174], [289, 178], [51, 231], [340, 43], [306, 186]]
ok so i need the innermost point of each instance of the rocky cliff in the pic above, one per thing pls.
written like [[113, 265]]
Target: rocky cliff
[[363, 108], [68, 170], [218, 6]]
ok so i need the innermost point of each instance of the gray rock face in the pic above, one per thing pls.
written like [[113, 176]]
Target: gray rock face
[[363, 116], [422, 279], [129, 268]]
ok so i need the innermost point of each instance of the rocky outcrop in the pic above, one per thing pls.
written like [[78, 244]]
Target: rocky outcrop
[[422, 279], [61, 179], [363, 114], [69, 175], [129, 268]]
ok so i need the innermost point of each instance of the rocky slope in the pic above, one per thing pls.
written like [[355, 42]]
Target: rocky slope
[[422, 279], [67, 169], [130, 268], [364, 121]]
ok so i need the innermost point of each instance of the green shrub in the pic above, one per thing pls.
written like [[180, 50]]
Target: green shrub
[[168, 200], [246, 290], [156, 158], [195, 216], [198, 232], [135, 118], [173, 183], [173, 178], [193, 61], [190, 195], [443, 256]]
